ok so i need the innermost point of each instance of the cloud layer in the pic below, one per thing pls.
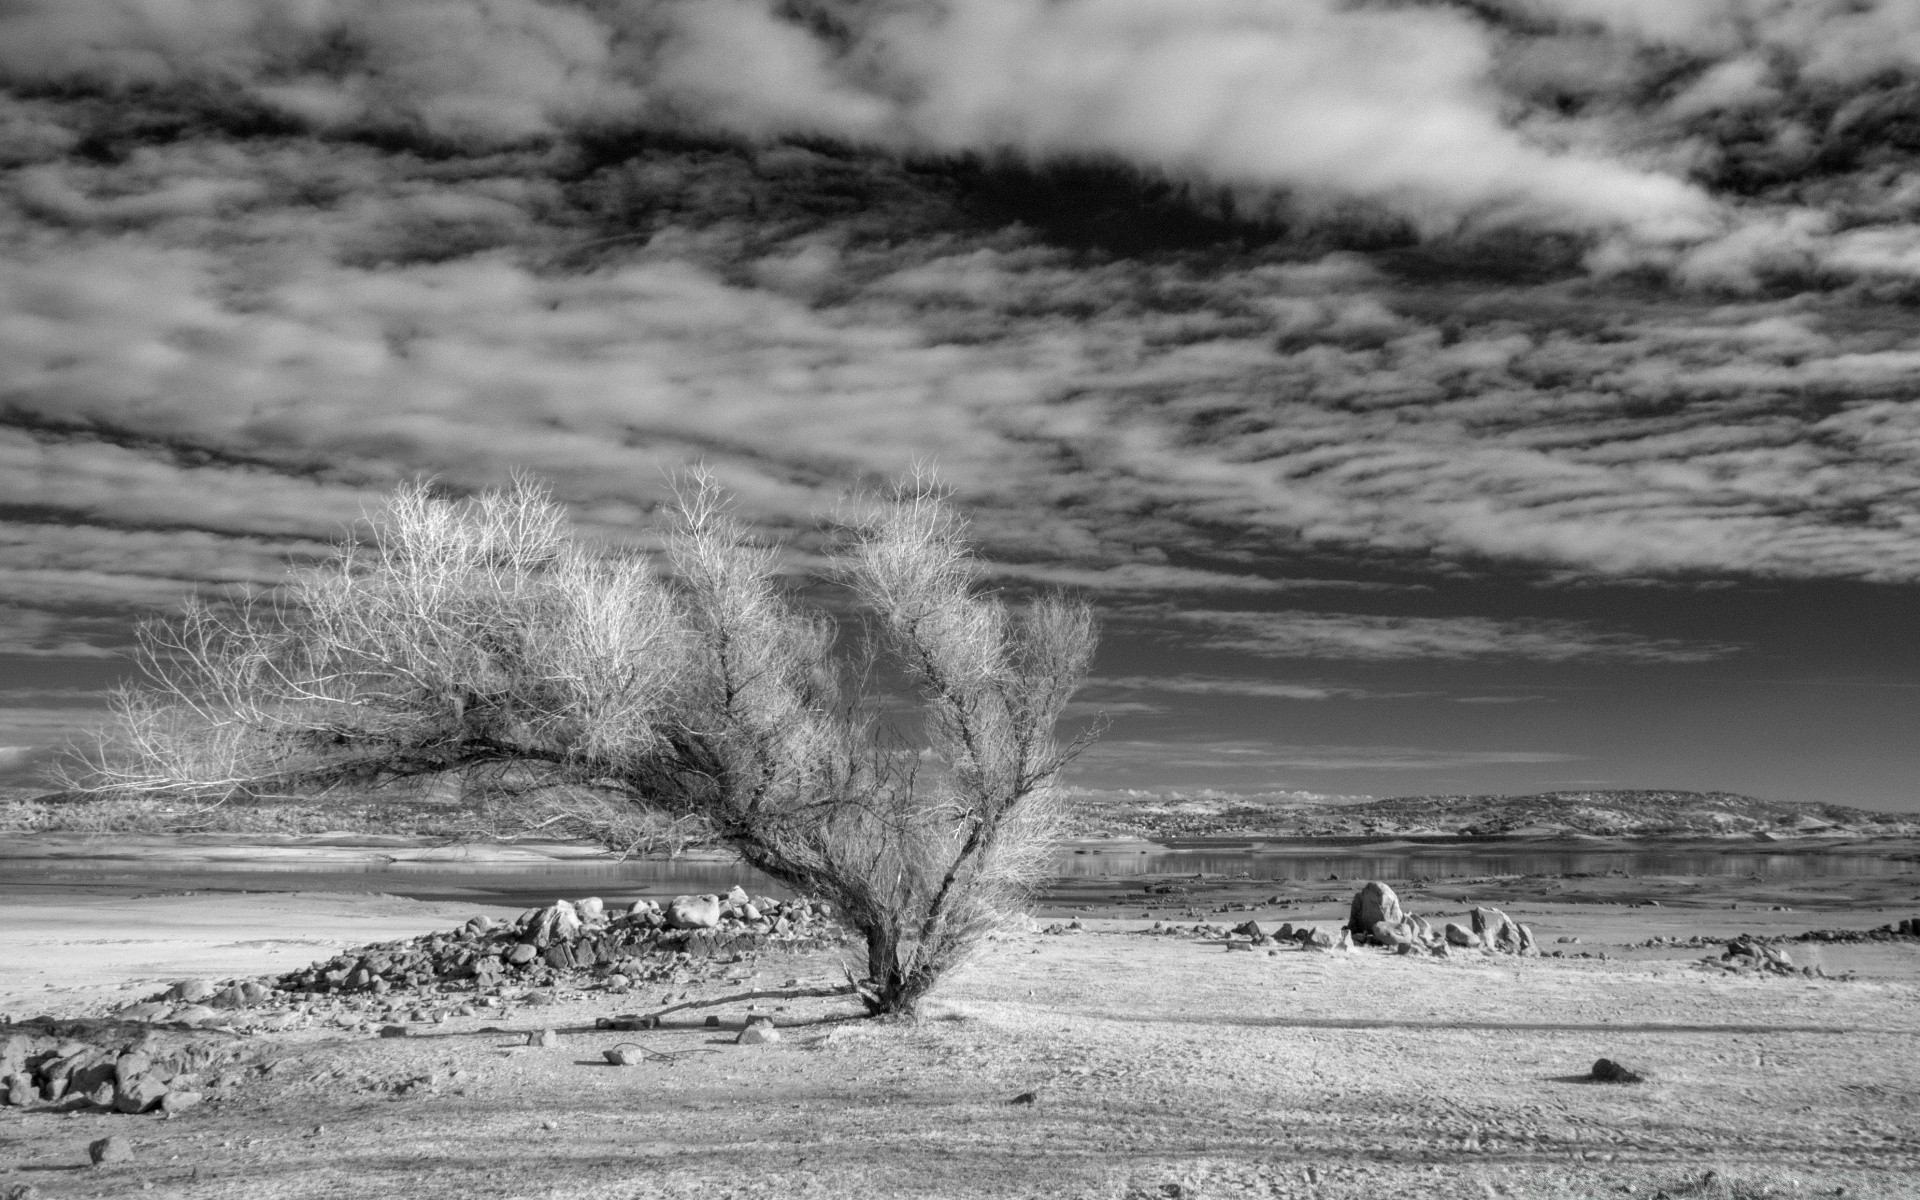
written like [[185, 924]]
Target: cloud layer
[[1202, 308]]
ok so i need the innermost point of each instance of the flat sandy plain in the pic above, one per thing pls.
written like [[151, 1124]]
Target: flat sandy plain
[[1159, 1066]]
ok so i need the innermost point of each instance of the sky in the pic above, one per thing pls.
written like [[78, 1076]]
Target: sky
[[1501, 396]]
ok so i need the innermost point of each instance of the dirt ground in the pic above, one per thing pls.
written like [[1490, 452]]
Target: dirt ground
[[1159, 1066]]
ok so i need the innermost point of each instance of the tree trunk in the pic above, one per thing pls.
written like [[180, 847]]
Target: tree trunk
[[889, 989]]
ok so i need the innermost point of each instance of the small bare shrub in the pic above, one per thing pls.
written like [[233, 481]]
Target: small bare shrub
[[591, 695]]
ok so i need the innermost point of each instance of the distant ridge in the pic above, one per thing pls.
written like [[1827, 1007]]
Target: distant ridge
[[1622, 813], [1619, 814]]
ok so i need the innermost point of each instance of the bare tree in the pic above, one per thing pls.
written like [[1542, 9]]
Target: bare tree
[[597, 694]]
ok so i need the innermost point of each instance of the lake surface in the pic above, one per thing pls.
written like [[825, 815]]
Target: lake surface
[[522, 884]]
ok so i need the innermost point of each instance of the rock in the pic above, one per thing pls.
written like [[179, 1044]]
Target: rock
[[229, 997], [694, 912], [1346, 941], [1024, 1098], [1606, 1070], [110, 1149], [1250, 929], [480, 925], [139, 1096], [757, 1034], [1373, 904], [129, 1067], [196, 1014], [395, 1031], [737, 897], [624, 1056], [1525, 943], [147, 1011], [190, 991], [174, 1102], [546, 1039], [1458, 936], [1417, 928], [592, 910], [522, 954], [1491, 926], [1388, 934]]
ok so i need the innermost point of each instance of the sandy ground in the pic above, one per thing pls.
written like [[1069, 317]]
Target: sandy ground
[[1160, 1066]]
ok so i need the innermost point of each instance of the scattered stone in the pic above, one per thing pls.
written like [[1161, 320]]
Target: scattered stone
[[110, 1149], [1606, 1070]]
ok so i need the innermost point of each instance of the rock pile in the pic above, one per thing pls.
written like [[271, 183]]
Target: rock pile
[[1909, 927], [545, 945], [1376, 917], [437, 976], [94, 1067]]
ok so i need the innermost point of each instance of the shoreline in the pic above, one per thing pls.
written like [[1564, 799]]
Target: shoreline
[[350, 847]]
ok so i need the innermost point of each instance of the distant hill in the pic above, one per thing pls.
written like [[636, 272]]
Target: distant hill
[[1546, 814]]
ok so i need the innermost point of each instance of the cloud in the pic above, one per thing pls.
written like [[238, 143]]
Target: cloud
[[1112, 755], [1216, 685], [1364, 638]]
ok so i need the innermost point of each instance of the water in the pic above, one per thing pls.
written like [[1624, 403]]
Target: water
[[525, 884], [1317, 862]]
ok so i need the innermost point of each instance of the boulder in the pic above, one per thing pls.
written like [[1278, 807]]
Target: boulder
[[694, 912], [1373, 904], [1491, 925], [145, 1011], [140, 1095], [174, 1102], [1389, 934], [559, 921], [1606, 1070], [1459, 936], [129, 1067]]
